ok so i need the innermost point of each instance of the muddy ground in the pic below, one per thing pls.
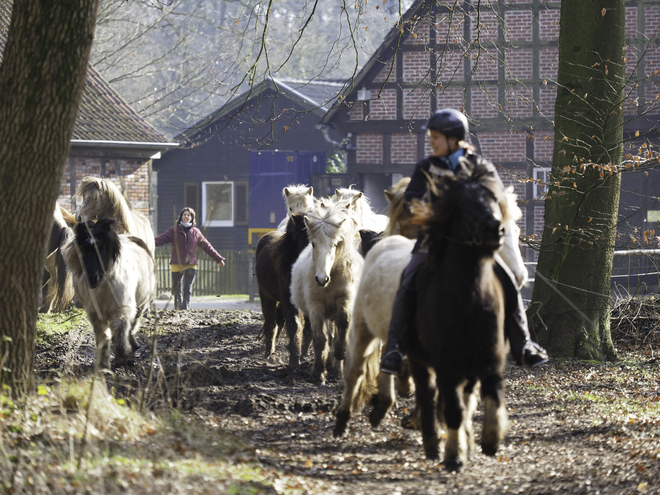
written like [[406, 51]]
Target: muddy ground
[[575, 427]]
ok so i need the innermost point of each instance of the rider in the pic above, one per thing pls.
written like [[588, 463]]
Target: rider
[[447, 130]]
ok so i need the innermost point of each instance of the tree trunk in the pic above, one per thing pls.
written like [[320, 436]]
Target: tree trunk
[[570, 311], [41, 82]]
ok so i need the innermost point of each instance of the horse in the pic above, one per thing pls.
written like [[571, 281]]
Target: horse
[[400, 221], [370, 321], [299, 199], [458, 338], [324, 281], [114, 277], [57, 291], [102, 199], [275, 255], [366, 217]]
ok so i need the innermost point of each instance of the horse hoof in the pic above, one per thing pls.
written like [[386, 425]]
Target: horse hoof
[[340, 424], [376, 416], [432, 454], [453, 465], [489, 449]]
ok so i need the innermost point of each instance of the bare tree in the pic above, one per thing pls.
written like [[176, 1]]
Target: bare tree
[[41, 82]]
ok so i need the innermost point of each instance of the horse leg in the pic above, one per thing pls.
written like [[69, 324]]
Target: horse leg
[[426, 392], [495, 417], [268, 330], [135, 345], [120, 327], [454, 410], [102, 336], [359, 371], [293, 332], [342, 320], [405, 383], [385, 396], [470, 397], [320, 342], [306, 335]]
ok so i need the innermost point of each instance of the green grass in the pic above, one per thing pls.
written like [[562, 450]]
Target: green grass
[[51, 326]]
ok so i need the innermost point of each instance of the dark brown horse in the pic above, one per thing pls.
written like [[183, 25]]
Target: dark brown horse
[[275, 255], [458, 341]]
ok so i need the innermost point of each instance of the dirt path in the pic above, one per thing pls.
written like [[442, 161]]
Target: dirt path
[[575, 428]]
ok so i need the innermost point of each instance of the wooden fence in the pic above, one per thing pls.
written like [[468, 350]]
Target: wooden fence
[[212, 279]]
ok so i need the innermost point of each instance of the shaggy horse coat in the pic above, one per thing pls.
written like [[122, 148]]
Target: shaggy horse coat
[[102, 199], [114, 277], [458, 338], [57, 290], [299, 199], [275, 255], [324, 281]]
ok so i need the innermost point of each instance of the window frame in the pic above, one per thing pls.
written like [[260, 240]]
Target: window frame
[[217, 223], [541, 174]]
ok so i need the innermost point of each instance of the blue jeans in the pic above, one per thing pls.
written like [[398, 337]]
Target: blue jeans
[[182, 282]]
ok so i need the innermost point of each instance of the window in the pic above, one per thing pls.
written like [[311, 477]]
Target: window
[[541, 178], [240, 203], [218, 204]]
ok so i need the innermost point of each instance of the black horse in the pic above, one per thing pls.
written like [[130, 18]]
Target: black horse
[[459, 341], [275, 255]]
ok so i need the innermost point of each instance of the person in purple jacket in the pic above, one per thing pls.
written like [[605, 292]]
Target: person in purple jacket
[[185, 237]]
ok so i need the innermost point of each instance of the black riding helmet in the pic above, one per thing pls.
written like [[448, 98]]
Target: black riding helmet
[[450, 122]]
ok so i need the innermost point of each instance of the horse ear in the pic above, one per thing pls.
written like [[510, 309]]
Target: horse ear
[[336, 192], [306, 221], [310, 191], [286, 192], [389, 195]]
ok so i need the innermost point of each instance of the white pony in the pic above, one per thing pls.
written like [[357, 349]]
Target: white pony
[[114, 277], [324, 281], [371, 317], [299, 199], [102, 199], [510, 250], [366, 217]]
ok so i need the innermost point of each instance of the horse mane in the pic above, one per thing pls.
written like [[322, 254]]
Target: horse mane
[[396, 205], [330, 222], [99, 248], [435, 218], [114, 203]]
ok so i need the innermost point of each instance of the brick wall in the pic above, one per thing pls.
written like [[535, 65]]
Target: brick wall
[[384, 74], [518, 26], [132, 178], [404, 148], [547, 97], [518, 63], [543, 146], [484, 28], [369, 148], [503, 146], [549, 62], [419, 29], [415, 66], [450, 97], [417, 103], [484, 102], [549, 25], [484, 64], [449, 27], [631, 22], [450, 66], [519, 101], [652, 20], [357, 111], [382, 106]]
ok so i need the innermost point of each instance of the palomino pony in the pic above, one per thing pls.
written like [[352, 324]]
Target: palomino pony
[[299, 199], [102, 199], [114, 277], [57, 290], [324, 281], [458, 338], [275, 255], [400, 221]]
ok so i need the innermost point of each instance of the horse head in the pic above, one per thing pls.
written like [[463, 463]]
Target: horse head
[[101, 198], [467, 211], [298, 199], [99, 248], [329, 235], [400, 220]]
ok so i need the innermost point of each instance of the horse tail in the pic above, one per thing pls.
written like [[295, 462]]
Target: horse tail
[[368, 386]]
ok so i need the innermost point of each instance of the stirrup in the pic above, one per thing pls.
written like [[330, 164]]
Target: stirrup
[[392, 363]]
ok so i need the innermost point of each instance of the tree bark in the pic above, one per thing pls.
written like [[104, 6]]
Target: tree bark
[[570, 310], [41, 82]]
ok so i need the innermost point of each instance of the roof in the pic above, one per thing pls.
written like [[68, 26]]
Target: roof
[[103, 114], [314, 96]]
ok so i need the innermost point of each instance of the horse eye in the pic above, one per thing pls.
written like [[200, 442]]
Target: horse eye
[[290, 209]]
